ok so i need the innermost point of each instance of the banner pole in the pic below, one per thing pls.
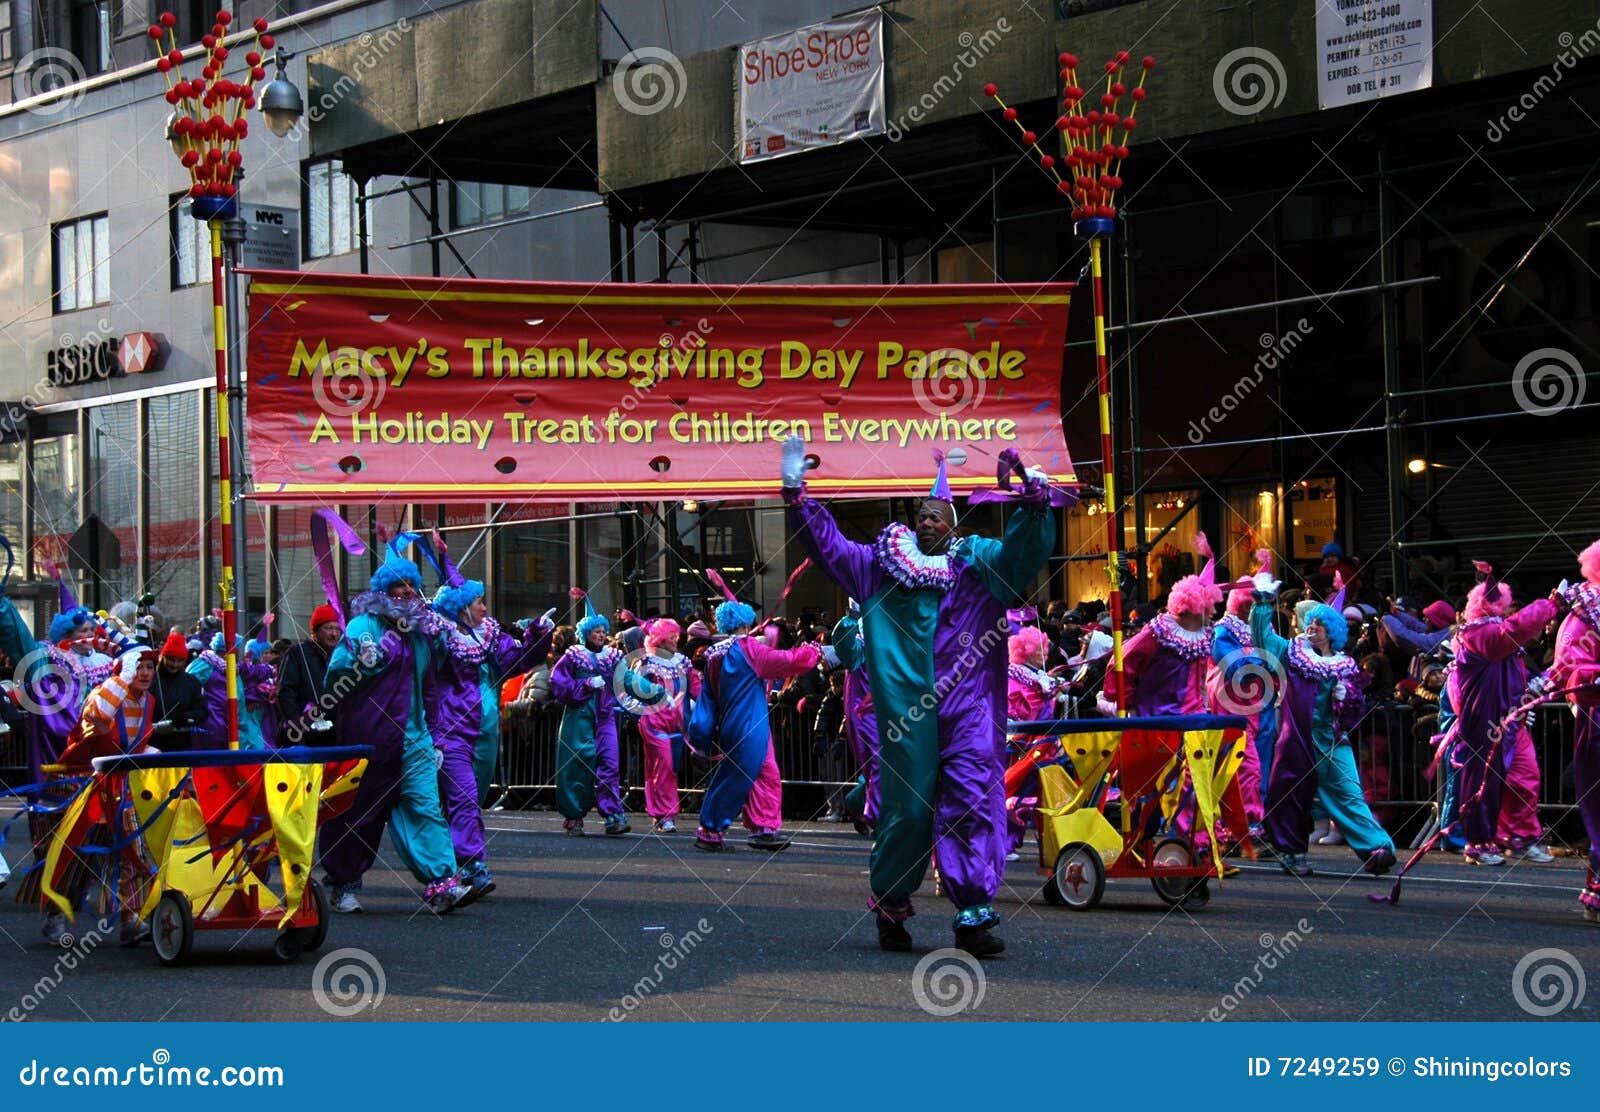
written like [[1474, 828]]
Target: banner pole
[[230, 614]]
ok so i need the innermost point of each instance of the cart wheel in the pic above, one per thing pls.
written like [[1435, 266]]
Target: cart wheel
[[285, 946], [172, 928], [1080, 878], [1171, 853], [311, 938], [1052, 894], [1199, 895]]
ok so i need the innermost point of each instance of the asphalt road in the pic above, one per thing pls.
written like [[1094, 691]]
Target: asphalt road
[[647, 928]]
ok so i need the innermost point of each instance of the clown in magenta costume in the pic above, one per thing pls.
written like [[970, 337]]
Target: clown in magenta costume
[[738, 670], [1578, 666], [1313, 758], [1164, 665], [1240, 682], [471, 655], [1487, 681], [929, 601], [661, 723]]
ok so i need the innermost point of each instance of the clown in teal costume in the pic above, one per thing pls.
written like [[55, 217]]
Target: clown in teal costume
[[934, 615]]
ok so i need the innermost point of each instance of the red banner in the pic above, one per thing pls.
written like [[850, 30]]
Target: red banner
[[448, 390]]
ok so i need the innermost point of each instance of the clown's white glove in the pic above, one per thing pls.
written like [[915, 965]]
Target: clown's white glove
[[830, 657], [852, 607], [321, 725], [547, 619], [1564, 594], [597, 682], [1265, 584], [1105, 706], [794, 463]]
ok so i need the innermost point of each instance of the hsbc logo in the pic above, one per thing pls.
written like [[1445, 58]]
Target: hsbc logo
[[140, 352]]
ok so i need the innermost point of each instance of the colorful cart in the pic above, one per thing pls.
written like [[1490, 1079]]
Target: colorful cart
[[212, 824], [1156, 766]]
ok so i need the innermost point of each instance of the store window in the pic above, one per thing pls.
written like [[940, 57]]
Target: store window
[[55, 486], [1313, 517], [299, 584], [112, 501], [173, 535], [191, 245], [333, 225], [8, 42], [81, 263], [474, 203], [534, 564]]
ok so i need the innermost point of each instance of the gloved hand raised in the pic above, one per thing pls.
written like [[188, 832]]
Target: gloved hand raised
[[547, 619], [1264, 583], [794, 463]]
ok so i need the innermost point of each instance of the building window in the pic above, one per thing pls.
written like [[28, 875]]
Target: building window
[[473, 203], [92, 31], [332, 223], [191, 245], [194, 18], [81, 257], [7, 42]]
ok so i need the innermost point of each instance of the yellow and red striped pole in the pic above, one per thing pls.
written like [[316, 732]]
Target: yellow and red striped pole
[[1113, 541], [230, 614]]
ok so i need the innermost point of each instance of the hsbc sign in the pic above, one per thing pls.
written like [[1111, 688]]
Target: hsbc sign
[[132, 354]]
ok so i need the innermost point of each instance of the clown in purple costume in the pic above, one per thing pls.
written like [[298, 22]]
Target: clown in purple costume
[[385, 655], [934, 609], [470, 657]]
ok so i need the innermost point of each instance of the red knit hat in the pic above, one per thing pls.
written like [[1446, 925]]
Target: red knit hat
[[175, 646], [323, 613]]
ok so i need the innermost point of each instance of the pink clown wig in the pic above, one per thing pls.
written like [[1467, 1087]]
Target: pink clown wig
[[658, 630], [1193, 595], [1026, 641], [1589, 563], [1486, 599]]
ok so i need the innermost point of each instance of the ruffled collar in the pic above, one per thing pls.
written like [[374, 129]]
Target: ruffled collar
[[471, 645], [898, 555], [1033, 677], [719, 649], [1189, 645], [601, 663], [1586, 604], [1239, 628], [92, 669], [674, 667], [1309, 664]]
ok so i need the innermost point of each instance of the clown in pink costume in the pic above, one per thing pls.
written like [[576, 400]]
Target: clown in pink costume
[[1164, 665], [1031, 695], [661, 723], [1578, 666], [1487, 682], [1240, 682]]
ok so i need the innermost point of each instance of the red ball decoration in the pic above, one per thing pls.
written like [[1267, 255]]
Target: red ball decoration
[[257, 73], [229, 189], [1111, 67], [218, 30], [172, 96], [1093, 117], [1029, 138], [163, 65], [1064, 188], [208, 41], [1122, 152], [155, 32], [1111, 119], [242, 128], [168, 20], [214, 155], [1130, 123], [249, 102], [225, 17], [1064, 122], [253, 58], [1010, 113], [221, 54], [1118, 89], [1070, 61], [1047, 161], [190, 158], [197, 190], [1149, 62], [1138, 94], [1123, 55], [1107, 100], [175, 57], [260, 24], [991, 90], [268, 41], [235, 158]]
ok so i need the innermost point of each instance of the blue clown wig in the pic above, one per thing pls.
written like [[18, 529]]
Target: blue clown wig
[[63, 625], [451, 601], [1332, 621], [733, 615], [396, 569], [591, 623]]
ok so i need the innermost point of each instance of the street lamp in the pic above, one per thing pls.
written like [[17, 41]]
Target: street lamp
[[280, 101]]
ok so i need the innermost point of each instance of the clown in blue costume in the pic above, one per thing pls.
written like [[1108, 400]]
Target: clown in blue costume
[[383, 663], [934, 612], [585, 682], [734, 694], [1313, 760]]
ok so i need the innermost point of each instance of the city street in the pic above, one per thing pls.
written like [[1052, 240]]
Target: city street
[[647, 928]]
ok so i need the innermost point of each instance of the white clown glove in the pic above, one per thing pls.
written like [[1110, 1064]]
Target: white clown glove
[[1265, 584], [830, 657], [547, 619], [597, 682], [794, 463]]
